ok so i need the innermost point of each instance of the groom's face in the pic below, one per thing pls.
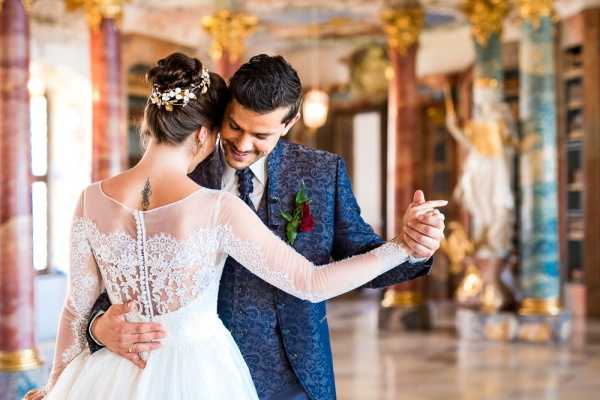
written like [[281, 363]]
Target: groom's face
[[248, 136]]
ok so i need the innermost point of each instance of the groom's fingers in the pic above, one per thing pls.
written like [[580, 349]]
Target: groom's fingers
[[417, 249], [418, 197], [136, 359], [142, 327], [145, 337], [431, 231], [141, 347], [428, 205], [424, 241], [434, 221]]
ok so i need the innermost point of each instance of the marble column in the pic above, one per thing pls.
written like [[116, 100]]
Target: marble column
[[491, 140], [17, 340], [109, 149], [403, 26], [540, 273], [228, 31]]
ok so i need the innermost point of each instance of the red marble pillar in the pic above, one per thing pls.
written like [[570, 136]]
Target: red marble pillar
[[403, 111], [17, 344], [109, 151]]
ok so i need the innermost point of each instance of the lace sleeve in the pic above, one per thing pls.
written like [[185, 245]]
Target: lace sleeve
[[245, 238], [83, 289]]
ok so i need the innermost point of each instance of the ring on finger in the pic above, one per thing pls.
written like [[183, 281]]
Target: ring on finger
[[130, 349]]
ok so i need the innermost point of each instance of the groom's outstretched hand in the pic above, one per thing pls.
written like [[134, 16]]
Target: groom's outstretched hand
[[124, 338], [423, 226]]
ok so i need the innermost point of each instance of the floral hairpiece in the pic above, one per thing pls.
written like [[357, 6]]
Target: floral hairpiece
[[178, 96]]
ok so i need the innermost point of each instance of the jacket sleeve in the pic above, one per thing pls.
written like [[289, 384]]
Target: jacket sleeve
[[100, 306], [352, 235]]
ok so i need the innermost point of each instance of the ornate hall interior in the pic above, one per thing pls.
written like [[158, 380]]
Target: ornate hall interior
[[493, 105]]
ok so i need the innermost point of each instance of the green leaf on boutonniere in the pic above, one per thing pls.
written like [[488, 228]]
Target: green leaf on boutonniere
[[294, 218], [292, 232], [286, 216], [301, 197]]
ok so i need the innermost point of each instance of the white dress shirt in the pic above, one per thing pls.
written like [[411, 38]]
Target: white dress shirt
[[230, 180]]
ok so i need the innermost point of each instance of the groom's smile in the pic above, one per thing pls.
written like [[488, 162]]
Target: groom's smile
[[247, 136]]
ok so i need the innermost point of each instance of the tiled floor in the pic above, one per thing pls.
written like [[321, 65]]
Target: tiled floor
[[436, 366], [370, 365]]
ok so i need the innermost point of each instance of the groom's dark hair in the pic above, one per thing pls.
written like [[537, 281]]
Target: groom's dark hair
[[266, 83]]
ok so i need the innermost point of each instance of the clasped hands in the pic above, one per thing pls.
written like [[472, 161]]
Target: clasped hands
[[423, 226]]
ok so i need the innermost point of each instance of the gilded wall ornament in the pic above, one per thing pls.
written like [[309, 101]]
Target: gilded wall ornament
[[457, 246], [228, 31], [486, 17], [367, 67], [534, 10], [403, 26], [96, 10], [26, 4]]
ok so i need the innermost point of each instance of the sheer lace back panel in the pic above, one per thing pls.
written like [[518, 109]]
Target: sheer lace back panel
[[161, 259], [166, 258]]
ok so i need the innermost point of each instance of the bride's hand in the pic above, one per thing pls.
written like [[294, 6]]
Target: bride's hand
[[35, 394], [423, 226]]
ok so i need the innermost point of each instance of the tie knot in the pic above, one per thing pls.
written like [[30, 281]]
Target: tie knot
[[245, 184]]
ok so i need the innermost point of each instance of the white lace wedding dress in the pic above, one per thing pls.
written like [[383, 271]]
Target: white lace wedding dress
[[169, 261]]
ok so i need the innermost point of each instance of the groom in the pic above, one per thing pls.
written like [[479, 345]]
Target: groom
[[284, 340]]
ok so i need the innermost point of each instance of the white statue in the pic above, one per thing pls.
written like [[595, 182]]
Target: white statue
[[485, 185]]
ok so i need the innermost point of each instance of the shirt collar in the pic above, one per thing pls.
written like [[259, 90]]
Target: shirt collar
[[259, 169]]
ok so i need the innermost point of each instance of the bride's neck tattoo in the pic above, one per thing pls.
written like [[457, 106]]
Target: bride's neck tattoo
[[146, 193]]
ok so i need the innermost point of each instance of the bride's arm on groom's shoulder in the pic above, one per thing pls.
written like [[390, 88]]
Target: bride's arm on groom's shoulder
[[83, 289], [244, 237], [352, 235]]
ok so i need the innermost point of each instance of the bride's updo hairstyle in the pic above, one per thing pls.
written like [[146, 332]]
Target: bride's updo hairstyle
[[185, 97]]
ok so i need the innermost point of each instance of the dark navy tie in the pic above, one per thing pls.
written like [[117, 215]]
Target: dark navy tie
[[245, 185]]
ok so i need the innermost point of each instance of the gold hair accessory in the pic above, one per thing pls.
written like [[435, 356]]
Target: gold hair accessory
[[178, 96]]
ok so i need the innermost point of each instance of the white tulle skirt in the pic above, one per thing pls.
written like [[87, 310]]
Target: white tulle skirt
[[198, 360]]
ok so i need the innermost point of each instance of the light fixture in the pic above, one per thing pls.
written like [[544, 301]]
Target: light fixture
[[315, 108], [36, 87], [316, 102]]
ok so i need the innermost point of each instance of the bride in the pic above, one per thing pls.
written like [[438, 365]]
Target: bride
[[154, 237]]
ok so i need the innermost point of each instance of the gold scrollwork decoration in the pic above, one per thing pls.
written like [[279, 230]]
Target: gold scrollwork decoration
[[486, 17], [534, 10], [228, 31], [26, 4], [96, 10], [457, 246], [403, 26]]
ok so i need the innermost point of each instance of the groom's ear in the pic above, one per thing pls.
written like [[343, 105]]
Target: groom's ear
[[290, 124]]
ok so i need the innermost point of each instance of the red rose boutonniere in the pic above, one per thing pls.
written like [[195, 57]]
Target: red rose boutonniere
[[301, 219]]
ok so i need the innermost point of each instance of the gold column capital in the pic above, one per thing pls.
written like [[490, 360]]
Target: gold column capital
[[534, 10], [486, 17], [228, 31], [403, 26], [96, 10]]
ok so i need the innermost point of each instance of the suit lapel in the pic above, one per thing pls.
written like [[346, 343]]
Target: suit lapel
[[209, 172], [274, 170]]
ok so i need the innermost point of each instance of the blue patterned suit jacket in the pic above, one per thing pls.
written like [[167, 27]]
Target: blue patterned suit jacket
[[339, 232]]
